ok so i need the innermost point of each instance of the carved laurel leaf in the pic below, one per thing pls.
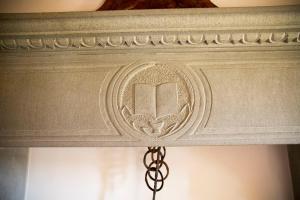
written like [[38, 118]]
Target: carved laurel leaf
[[210, 38], [293, 37], [135, 126], [49, 43], [126, 114], [236, 38], [9, 44], [163, 118], [147, 130], [141, 40], [168, 39], [278, 37], [128, 40], [183, 39], [183, 116], [115, 41], [171, 128], [101, 41], [36, 43], [88, 42], [76, 42], [23, 43], [62, 42], [222, 38], [156, 39], [264, 37], [250, 38], [195, 39]]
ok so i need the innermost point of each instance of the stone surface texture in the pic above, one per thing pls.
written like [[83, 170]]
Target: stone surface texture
[[139, 78]]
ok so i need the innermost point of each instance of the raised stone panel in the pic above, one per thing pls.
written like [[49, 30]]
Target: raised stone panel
[[98, 82]]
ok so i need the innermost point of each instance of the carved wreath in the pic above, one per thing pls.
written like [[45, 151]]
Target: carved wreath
[[160, 126]]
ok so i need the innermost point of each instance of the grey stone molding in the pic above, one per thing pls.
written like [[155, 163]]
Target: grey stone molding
[[139, 78], [151, 29], [195, 39]]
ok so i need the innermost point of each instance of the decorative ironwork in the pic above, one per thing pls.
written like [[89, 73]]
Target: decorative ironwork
[[154, 162]]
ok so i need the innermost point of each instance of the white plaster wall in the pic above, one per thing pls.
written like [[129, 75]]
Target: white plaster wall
[[210, 173], [17, 6]]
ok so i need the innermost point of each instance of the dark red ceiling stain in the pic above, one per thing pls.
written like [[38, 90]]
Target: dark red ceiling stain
[[154, 4]]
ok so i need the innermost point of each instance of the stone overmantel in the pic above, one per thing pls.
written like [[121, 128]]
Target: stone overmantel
[[154, 77]]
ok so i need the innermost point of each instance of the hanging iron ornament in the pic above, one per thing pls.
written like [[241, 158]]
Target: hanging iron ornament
[[154, 173]]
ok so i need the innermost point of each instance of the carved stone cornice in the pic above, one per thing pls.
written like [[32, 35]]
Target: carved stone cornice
[[201, 40], [149, 78], [209, 28]]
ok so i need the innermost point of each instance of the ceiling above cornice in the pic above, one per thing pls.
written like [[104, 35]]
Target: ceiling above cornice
[[28, 6]]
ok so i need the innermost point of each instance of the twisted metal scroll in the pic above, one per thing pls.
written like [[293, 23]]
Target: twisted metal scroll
[[156, 156]]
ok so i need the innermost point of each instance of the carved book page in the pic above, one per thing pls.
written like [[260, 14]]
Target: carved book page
[[166, 99], [144, 99], [157, 101]]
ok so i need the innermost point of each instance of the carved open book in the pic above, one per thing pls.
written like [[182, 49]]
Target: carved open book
[[159, 101]]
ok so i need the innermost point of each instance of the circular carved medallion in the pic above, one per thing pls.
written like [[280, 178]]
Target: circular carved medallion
[[155, 100]]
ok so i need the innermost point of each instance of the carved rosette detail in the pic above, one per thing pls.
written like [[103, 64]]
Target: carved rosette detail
[[157, 100], [135, 41]]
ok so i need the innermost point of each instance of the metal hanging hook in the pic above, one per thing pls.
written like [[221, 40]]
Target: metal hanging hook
[[154, 167]]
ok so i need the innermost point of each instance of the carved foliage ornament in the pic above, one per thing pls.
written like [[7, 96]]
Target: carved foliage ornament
[[139, 41], [154, 100]]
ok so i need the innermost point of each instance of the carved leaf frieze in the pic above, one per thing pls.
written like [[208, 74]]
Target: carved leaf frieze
[[203, 40]]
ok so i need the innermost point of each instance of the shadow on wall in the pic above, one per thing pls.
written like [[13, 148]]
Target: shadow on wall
[[13, 171]]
